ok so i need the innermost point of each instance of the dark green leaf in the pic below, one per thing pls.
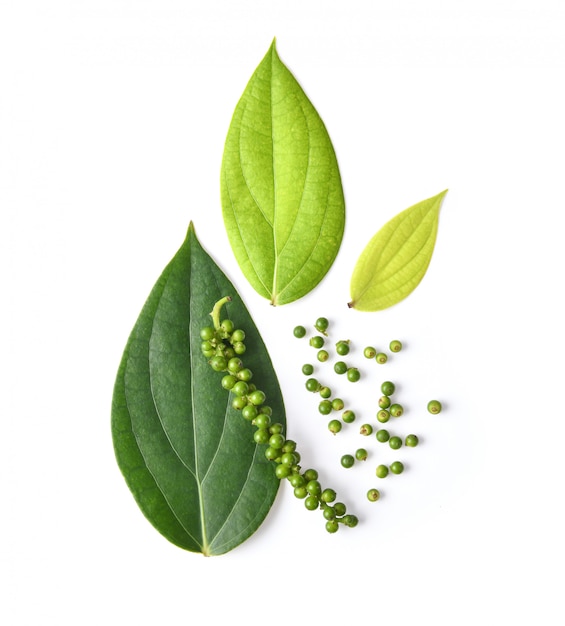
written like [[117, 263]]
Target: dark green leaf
[[282, 198], [187, 456]]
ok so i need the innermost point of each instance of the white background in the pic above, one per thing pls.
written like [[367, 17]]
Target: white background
[[113, 115]]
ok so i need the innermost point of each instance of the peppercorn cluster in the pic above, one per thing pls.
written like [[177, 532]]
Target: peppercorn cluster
[[223, 345]]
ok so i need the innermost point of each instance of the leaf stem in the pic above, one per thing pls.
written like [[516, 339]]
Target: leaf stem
[[216, 311]]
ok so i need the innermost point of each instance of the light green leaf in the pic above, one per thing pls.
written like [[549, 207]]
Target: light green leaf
[[282, 199], [396, 258], [189, 458]]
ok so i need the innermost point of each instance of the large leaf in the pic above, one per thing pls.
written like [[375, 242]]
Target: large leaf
[[282, 199], [187, 456], [396, 259]]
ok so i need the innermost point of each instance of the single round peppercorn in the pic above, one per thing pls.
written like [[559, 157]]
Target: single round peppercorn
[[373, 495], [388, 388], [299, 331], [397, 467], [328, 495], [395, 346], [369, 352], [384, 402], [395, 442], [307, 369], [317, 341], [272, 453], [325, 407], [227, 327], [249, 412], [313, 487], [239, 402], [300, 492], [340, 367], [245, 374], [207, 333], [322, 356], [228, 381], [218, 363], [348, 416], [262, 420], [353, 374], [337, 404], [381, 358], [361, 454], [340, 508], [383, 416], [239, 347], [312, 385], [321, 324], [261, 436], [332, 526], [282, 471], [289, 446], [366, 430], [347, 460], [342, 347], [297, 480], [241, 388], [257, 397], [334, 426], [276, 441], [396, 410], [351, 521], [382, 435], [237, 336], [288, 458], [325, 392], [276, 428], [411, 441], [310, 474], [311, 503], [329, 513], [434, 406], [381, 471]]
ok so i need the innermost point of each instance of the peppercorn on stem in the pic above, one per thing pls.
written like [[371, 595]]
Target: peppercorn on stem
[[216, 311]]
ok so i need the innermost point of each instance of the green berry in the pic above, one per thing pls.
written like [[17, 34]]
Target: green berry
[[317, 341], [322, 356], [325, 407], [311, 503], [239, 347], [332, 526], [321, 324], [348, 416], [289, 446], [382, 435], [300, 492], [239, 402], [299, 331], [310, 474], [347, 460], [227, 327], [312, 384], [276, 441], [297, 480], [388, 388], [262, 420], [271, 453], [434, 406], [218, 363], [288, 458], [228, 381], [313, 487], [381, 358], [337, 404], [342, 347], [366, 430], [340, 367], [249, 412], [237, 336], [395, 442], [411, 441], [329, 513], [257, 397], [235, 365], [369, 352], [397, 467], [282, 471], [334, 426], [328, 495], [351, 521], [261, 436], [245, 374], [361, 454], [396, 410], [207, 333], [395, 346], [353, 374], [276, 428], [383, 416], [384, 402], [373, 495], [340, 509], [381, 471], [325, 392], [307, 369]]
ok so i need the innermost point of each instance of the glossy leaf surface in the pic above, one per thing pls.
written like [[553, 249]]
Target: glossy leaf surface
[[396, 259], [282, 198], [189, 458]]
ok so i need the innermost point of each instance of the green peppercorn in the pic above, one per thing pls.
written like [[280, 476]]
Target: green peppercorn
[[297, 480], [245, 374], [369, 352], [351, 521], [235, 364], [207, 333], [239, 402], [322, 356], [276, 441], [249, 412], [307, 369], [347, 460], [340, 508], [411, 441], [271, 453], [348, 416], [328, 495], [396, 410], [322, 324], [353, 374], [342, 347], [373, 495], [228, 381], [361, 454], [334, 426], [325, 407], [382, 435], [434, 406], [388, 388], [239, 347], [218, 363], [282, 471], [325, 392], [257, 397], [317, 341], [383, 416], [312, 385], [384, 402], [395, 442], [381, 471], [395, 346], [329, 513], [332, 526], [299, 331], [276, 428], [262, 420], [397, 467], [310, 474], [337, 404], [226, 327], [340, 367], [237, 336], [381, 358], [300, 492], [366, 430], [261, 436], [311, 503]]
